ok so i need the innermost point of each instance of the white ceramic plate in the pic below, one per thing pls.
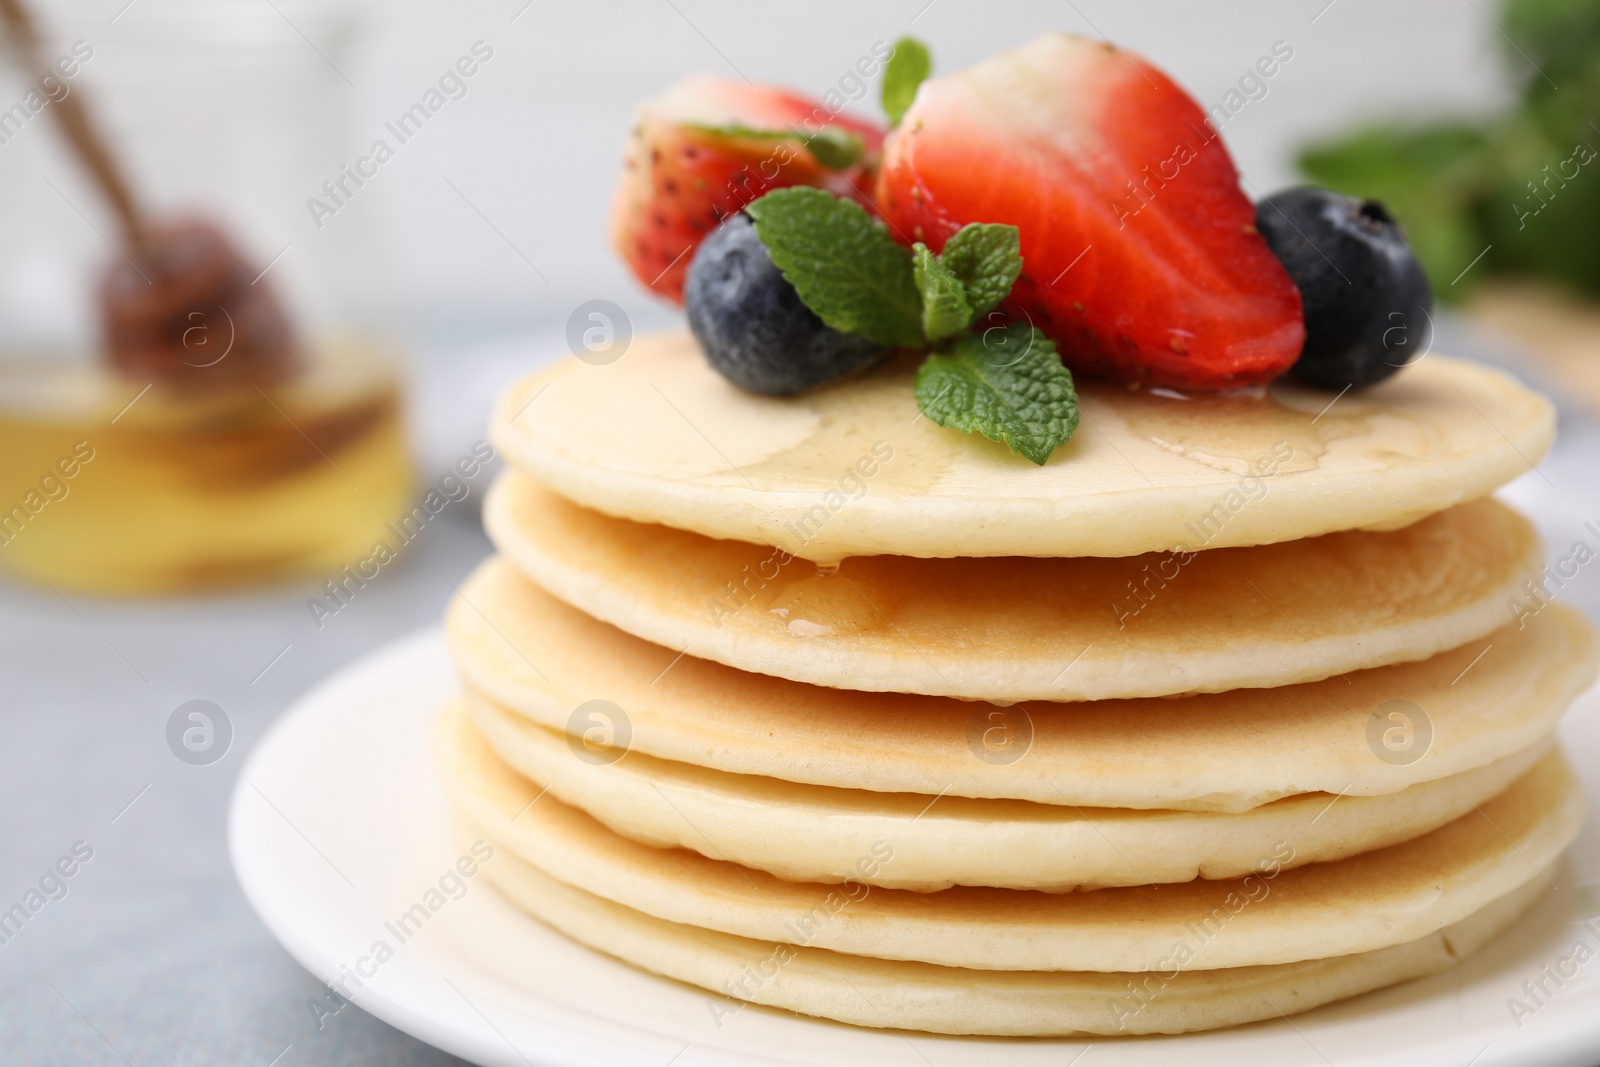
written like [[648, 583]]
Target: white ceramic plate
[[338, 827]]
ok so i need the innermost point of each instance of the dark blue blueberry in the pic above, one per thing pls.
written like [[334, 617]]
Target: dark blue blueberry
[[752, 325], [1368, 304]]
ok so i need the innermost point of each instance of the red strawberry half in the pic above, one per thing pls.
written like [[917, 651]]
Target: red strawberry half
[[1140, 257], [707, 147]]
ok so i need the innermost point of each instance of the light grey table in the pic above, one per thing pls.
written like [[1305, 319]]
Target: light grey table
[[153, 957]]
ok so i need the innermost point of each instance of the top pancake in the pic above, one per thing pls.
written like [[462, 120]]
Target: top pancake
[[852, 469]]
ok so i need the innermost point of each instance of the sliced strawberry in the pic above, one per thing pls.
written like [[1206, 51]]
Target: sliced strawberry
[[707, 147], [1140, 257]]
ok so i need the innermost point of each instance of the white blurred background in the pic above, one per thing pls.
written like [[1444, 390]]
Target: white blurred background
[[493, 217]]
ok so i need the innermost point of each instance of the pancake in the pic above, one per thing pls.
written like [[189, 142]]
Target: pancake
[[1272, 915], [909, 995], [1014, 628], [660, 437], [810, 833], [525, 650]]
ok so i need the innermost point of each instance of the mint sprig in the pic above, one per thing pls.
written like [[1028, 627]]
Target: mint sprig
[[987, 258], [945, 309], [1004, 381], [836, 149], [908, 67], [844, 264], [832, 148]]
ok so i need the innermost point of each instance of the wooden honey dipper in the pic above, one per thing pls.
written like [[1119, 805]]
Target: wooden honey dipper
[[181, 305]]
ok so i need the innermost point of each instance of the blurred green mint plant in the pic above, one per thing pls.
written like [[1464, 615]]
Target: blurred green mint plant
[[1526, 184]]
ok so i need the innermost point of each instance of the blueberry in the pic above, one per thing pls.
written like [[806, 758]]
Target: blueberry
[[752, 325], [1367, 301]]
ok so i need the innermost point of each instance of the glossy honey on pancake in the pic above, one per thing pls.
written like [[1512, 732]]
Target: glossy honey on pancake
[[851, 470]]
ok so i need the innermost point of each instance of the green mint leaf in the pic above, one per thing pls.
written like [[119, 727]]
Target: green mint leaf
[[986, 257], [1006, 383], [944, 300], [844, 265], [836, 149], [738, 130], [831, 148], [908, 67]]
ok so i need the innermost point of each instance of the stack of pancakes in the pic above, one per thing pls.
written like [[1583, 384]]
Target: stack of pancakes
[[1238, 706]]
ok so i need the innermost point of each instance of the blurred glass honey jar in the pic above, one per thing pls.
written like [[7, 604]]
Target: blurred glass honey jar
[[194, 415], [181, 490]]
